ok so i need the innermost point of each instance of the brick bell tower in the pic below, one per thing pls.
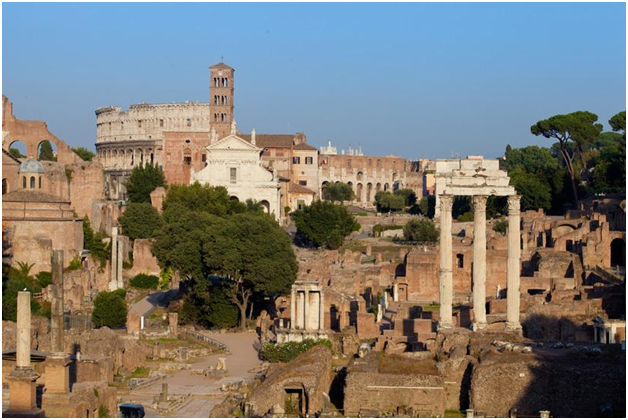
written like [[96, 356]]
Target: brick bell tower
[[221, 99]]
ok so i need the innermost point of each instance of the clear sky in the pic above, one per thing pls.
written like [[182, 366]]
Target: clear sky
[[416, 80]]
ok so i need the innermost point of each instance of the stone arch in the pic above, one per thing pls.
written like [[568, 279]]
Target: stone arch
[[618, 252], [21, 148], [234, 198], [265, 205], [53, 146], [359, 176], [358, 192], [369, 192], [386, 187], [378, 187]]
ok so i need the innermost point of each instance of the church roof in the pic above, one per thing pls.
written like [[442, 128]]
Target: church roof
[[296, 188], [31, 196], [221, 66], [31, 166], [270, 140], [304, 146]]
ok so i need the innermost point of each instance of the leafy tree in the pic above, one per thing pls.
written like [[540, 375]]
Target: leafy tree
[[140, 220], [535, 194], [420, 229], [338, 191], [17, 279], [46, 152], [574, 132], [501, 226], [110, 309], [253, 206], [254, 254], [15, 152], [386, 201], [210, 305], [85, 154], [143, 180], [618, 122], [145, 281], [408, 195], [324, 224], [93, 241], [609, 175], [204, 198]]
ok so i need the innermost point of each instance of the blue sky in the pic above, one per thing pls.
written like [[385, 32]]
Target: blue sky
[[416, 80]]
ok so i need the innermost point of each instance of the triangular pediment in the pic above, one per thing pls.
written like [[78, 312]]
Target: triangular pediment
[[232, 142]]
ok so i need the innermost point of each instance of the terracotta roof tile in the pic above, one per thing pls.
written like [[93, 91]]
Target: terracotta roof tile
[[32, 197]]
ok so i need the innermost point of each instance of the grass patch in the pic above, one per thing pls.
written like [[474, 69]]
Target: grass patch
[[454, 414], [141, 372], [434, 307]]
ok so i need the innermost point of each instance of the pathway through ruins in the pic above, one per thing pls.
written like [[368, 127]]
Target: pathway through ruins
[[204, 392]]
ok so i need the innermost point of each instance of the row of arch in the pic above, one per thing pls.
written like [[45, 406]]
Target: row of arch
[[221, 100], [362, 193], [360, 176], [221, 117], [20, 150], [221, 82], [125, 158]]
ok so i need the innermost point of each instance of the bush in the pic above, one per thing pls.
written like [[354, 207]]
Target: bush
[[386, 201], [145, 281], [103, 412], [273, 353], [75, 264], [378, 229], [110, 309], [501, 226], [93, 242], [140, 221], [420, 230], [466, 217]]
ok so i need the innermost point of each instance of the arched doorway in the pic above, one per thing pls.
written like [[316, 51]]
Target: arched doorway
[[359, 192], [5, 186], [618, 253], [265, 206], [234, 198], [369, 192]]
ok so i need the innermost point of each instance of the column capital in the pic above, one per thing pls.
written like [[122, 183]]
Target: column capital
[[446, 201], [479, 202], [514, 204]]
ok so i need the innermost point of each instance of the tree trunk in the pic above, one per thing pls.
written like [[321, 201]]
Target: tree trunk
[[242, 317], [251, 311], [572, 175]]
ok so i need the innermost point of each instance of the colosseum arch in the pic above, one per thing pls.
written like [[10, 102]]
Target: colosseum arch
[[369, 192], [358, 192]]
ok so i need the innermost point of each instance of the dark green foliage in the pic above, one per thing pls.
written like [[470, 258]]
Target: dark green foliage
[[254, 254], [378, 229], [210, 306], [46, 152], [575, 133], [43, 278], [254, 206], [501, 226], [338, 191], [386, 201], [143, 180], [145, 281], [421, 230], [324, 224], [75, 264], [93, 241], [17, 279], [15, 152], [272, 352], [465, 217], [85, 154], [423, 207], [618, 122], [408, 195], [202, 198], [110, 309], [535, 194], [140, 221]]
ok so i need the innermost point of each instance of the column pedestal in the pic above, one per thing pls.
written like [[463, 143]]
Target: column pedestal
[[57, 375], [23, 394]]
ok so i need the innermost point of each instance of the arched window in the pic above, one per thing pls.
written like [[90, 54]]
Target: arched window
[[23, 182], [460, 261], [5, 186], [32, 182], [40, 183]]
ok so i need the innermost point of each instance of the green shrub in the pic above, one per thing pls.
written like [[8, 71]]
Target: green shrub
[[466, 217], [285, 352], [420, 230], [103, 412], [75, 264], [501, 226], [145, 281], [44, 278], [110, 309]]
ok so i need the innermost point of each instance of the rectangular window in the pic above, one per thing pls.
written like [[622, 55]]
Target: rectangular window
[[309, 160], [204, 157], [304, 183], [161, 123], [187, 160], [139, 123], [189, 122], [233, 173], [296, 160]]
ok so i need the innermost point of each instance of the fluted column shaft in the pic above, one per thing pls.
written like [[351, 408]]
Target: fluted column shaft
[[514, 257], [479, 261], [446, 275]]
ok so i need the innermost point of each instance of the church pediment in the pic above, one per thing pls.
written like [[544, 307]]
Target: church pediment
[[233, 142]]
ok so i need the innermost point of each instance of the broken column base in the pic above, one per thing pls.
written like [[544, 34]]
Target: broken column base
[[23, 394], [57, 375], [478, 326], [514, 327]]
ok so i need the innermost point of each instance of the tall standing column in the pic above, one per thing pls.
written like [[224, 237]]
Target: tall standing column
[[22, 386], [306, 310], [300, 304], [120, 264], [293, 309], [446, 275], [57, 372], [479, 261], [321, 311], [113, 284], [514, 257]]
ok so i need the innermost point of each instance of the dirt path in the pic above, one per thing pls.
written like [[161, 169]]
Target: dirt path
[[242, 363]]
